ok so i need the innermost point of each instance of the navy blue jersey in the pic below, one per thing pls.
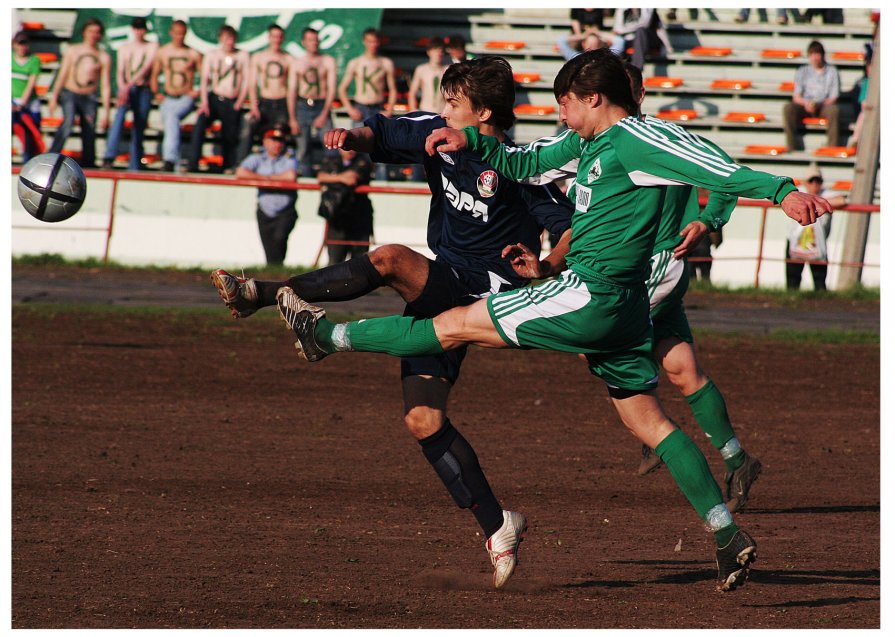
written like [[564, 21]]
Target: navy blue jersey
[[475, 212]]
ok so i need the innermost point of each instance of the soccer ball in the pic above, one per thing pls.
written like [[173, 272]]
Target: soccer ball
[[52, 187]]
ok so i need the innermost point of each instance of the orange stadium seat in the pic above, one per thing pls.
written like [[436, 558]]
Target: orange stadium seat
[[211, 160], [835, 151], [51, 122], [505, 45], [765, 150], [680, 114], [843, 184], [711, 51], [848, 55], [41, 90], [786, 54], [789, 87], [526, 78], [534, 109], [337, 104], [150, 159], [661, 81], [214, 128], [814, 121], [401, 108], [748, 118], [123, 157], [423, 41], [32, 26], [74, 154], [734, 84], [46, 58]]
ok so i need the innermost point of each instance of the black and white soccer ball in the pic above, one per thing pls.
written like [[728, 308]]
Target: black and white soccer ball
[[52, 187]]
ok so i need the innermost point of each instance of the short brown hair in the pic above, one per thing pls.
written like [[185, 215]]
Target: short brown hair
[[599, 71], [487, 82], [816, 47], [89, 22], [226, 28]]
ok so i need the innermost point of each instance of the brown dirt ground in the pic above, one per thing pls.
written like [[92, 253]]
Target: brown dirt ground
[[187, 470]]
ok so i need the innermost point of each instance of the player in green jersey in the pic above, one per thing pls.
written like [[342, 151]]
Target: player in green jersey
[[682, 226], [599, 305]]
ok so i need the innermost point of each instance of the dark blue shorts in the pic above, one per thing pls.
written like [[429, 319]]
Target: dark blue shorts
[[445, 288]]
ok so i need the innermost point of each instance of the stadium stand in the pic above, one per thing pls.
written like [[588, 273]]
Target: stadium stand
[[726, 80]]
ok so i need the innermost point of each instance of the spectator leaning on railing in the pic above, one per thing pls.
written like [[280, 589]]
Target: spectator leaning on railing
[[348, 212], [815, 94]]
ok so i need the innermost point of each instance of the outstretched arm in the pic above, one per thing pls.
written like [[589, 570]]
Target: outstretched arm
[[360, 139]]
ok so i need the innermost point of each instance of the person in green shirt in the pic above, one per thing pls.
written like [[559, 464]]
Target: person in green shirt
[[599, 305], [25, 103]]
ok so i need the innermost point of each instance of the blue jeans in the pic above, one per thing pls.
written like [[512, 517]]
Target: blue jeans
[[139, 101], [173, 110], [83, 106], [306, 114]]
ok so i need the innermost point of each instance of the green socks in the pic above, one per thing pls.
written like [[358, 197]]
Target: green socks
[[691, 472], [395, 335], [710, 412]]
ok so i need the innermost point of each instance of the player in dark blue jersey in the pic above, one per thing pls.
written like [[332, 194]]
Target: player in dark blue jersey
[[477, 222]]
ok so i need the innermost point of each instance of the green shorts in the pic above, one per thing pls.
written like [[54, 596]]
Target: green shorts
[[607, 322], [666, 288]]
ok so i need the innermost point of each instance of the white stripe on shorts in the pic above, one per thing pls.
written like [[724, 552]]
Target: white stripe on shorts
[[568, 294], [666, 274]]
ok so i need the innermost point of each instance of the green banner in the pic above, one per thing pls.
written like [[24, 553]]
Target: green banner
[[340, 29]]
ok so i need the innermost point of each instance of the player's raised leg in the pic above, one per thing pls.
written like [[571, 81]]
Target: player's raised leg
[[643, 415], [678, 359], [394, 265]]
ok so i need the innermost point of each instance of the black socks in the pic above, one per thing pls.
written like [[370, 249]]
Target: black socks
[[340, 282]]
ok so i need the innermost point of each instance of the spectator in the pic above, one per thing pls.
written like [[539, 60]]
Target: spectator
[[223, 89], [313, 80], [373, 75], [572, 45], [642, 29], [85, 67], [427, 80], [782, 18], [584, 20], [809, 243], [349, 214], [25, 103], [829, 16], [861, 99], [134, 63], [178, 63], [276, 207], [456, 49], [671, 16], [269, 73], [815, 94]]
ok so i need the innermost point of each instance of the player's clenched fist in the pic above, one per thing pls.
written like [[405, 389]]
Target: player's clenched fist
[[335, 138], [450, 140], [805, 208]]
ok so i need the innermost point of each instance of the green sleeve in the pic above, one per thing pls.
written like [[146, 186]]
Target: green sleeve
[[32, 66], [542, 161], [657, 154], [718, 210]]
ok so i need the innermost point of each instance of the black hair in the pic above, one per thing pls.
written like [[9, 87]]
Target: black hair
[[816, 47], [487, 82], [597, 72], [226, 28]]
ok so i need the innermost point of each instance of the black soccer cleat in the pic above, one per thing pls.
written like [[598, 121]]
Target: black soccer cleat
[[301, 317], [740, 481], [734, 561]]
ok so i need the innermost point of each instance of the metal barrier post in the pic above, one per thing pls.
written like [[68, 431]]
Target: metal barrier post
[[115, 181], [764, 217]]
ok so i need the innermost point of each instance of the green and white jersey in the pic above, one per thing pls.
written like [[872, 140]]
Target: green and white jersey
[[621, 179]]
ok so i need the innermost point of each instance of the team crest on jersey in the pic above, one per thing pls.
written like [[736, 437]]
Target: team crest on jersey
[[487, 183], [446, 158], [595, 171]]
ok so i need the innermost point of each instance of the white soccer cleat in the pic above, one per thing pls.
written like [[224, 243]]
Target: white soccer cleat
[[503, 546], [238, 293]]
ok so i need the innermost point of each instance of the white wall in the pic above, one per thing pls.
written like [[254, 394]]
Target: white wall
[[158, 223]]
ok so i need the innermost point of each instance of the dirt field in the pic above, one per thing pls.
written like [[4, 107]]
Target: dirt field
[[187, 470]]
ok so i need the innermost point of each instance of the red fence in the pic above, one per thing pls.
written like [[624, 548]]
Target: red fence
[[116, 176]]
